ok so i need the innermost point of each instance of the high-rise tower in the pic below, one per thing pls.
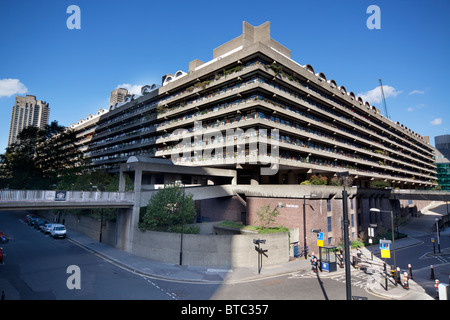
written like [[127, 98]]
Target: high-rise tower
[[27, 111]]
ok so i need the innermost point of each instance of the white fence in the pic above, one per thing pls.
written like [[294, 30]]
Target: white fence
[[72, 196]]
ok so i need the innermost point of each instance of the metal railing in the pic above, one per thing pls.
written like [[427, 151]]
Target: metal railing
[[72, 196]]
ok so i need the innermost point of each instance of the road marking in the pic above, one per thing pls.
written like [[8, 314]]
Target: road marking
[[172, 295]]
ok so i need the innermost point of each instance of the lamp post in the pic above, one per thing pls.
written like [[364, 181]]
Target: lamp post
[[392, 230], [437, 232], [304, 223], [348, 280], [182, 223]]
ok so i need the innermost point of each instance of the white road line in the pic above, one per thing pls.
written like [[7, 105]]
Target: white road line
[[173, 296]]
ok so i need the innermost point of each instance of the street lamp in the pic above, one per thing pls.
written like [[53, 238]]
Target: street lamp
[[304, 223], [392, 230], [348, 280], [182, 223], [437, 232]]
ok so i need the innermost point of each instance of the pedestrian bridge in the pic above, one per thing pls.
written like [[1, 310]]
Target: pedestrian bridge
[[50, 199]]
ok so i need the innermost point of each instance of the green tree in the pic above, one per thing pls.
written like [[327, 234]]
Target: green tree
[[40, 158], [164, 211], [267, 216]]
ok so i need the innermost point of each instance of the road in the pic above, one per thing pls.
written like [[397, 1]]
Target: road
[[36, 268]]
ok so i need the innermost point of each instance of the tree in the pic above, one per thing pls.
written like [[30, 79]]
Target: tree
[[166, 208], [267, 216], [40, 158]]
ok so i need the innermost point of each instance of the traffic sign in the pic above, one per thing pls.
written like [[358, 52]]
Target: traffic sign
[[385, 248], [320, 239]]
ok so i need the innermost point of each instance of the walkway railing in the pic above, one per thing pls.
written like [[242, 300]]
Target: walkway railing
[[72, 196]]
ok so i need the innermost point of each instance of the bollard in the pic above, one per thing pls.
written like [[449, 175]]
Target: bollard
[[405, 281], [312, 257], [436, 285], [410, 271], [314, 267], [431, 272], [398, 276]]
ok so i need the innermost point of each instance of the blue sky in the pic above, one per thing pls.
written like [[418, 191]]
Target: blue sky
[[136, 42]]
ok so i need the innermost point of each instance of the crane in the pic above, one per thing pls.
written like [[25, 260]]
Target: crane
[[384, 100]]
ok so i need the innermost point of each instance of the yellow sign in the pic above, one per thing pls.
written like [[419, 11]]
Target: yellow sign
[[386, 254], [320, 239]]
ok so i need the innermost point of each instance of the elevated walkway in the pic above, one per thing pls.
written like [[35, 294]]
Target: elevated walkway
[[50, 199]]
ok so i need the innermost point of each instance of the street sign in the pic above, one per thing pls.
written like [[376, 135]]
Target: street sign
[[385, 248], [320, 239]]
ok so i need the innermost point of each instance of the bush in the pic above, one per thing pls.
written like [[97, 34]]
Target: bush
[[166, 209]]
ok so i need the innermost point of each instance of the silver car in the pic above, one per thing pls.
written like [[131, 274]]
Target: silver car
[[46, 228], [58, 231]]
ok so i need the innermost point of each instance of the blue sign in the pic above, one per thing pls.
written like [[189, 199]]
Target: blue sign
[[384, 246]]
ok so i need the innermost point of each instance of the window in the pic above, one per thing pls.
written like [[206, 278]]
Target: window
[[328, 205], [329, 224]]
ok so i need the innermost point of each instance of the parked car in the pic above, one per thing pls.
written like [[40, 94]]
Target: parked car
[[40, 223], [58, 231], [46, 228], [28, 217], [33, 221]]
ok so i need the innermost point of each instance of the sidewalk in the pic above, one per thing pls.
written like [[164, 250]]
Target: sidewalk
[[299, 266]]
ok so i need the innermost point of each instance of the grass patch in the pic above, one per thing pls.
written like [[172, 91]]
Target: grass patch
[[261, 230]]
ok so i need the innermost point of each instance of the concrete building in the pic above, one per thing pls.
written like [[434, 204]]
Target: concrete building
[[118, 95], [253, 109], [27, 111], [250, 127]]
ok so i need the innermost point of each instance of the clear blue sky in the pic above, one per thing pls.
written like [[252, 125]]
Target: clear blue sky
[[136, 42]]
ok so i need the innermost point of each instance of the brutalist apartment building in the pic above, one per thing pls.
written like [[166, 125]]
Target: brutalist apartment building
[[276, 122]]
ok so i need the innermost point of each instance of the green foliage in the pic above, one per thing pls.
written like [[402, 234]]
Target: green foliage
[[267, 216], [380, 184], [166, 208], [261, 230], [93, 181], [316, 180], [41, 158]]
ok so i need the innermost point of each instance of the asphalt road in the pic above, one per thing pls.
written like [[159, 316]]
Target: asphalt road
[[36, 268]]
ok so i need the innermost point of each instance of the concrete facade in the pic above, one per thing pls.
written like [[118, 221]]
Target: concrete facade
[[27, 111], [309, 124]]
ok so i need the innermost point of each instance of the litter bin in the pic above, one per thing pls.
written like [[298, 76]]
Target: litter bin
[[296, 252], [329, 258]]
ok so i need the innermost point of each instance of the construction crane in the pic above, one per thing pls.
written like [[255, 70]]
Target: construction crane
[[384, 100]]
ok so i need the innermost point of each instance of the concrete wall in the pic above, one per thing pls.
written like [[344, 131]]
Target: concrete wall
[[209, 250], [85, 225], [222, 251]]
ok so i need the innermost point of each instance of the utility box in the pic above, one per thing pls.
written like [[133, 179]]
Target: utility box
[[443, 291]]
